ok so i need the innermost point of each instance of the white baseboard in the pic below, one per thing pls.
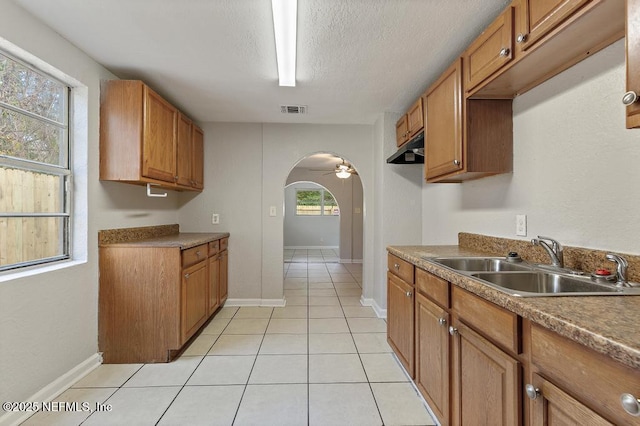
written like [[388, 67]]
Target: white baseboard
[[55, 388], [311, 247], [380, 312], [255, 302]]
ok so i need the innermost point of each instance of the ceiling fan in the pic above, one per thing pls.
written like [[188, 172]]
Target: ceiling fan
[[344, 170]]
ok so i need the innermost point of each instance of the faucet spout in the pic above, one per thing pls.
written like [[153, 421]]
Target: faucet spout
[[621, 269], [554, 250]]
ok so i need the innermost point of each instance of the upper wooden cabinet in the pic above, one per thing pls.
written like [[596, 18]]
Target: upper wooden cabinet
[[197, 157], [633, 63], [548, 37], [144, 139], [465, 139], [490, 51], [410, 123]]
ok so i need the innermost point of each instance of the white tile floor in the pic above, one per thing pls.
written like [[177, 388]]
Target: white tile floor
[[321, 360]]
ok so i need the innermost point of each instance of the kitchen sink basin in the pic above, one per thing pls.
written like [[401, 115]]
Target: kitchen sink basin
[[480, 264], [534, 283]]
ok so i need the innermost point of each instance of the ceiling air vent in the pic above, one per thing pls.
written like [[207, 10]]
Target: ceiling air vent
[[293, 109]]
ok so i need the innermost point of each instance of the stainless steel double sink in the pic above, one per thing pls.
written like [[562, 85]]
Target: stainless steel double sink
[[528, 280]]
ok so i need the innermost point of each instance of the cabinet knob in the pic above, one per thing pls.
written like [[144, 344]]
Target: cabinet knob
[[187, 276], [395, 265], [504, 52], [456, 162], [630, 98], [631, 404], [442, 322], [453, 331], [198, 253], [409, 294], [521, 38], [532, 392]]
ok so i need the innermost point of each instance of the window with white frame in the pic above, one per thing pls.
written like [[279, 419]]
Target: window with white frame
[[35, 166], [316, 202]]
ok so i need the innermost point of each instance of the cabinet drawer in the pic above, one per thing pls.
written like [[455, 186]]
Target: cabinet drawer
[[497, 324], [401, 268], [224, 243], [433, 287], [591, 377], [194, 255], [214, 247]]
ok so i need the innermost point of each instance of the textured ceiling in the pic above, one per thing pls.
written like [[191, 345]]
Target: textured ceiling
[[215, 59]]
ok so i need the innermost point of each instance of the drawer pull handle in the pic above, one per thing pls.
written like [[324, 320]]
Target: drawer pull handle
[[532, 392], [395, 265], [409, 294], [453, 331], [198, 253], [504, 52], [187, 276], [442, 322], [630, 98], [631, 404]]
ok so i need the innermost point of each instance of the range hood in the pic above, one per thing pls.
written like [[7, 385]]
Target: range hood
[[411, 152]]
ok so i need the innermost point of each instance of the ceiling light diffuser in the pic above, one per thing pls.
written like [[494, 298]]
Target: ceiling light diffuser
[[285, 16], [343, 174]]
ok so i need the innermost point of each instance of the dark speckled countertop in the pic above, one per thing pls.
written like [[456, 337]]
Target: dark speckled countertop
[[607, 324], [183, 240]]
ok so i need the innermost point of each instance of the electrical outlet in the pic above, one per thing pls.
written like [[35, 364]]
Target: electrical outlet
[[215, 219], [272, 211], [521, 225]]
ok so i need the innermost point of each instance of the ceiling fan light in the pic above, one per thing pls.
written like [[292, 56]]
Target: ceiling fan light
[[343, 174]]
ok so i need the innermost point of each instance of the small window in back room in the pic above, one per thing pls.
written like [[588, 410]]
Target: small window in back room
[[35, 169], [316, 202]]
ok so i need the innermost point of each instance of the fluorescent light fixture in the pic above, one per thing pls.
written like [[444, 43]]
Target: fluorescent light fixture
[[285, 16]]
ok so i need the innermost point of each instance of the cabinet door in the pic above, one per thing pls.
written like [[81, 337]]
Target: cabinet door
[[490, 51], [214, 283], [541, 16], [400, 320], [415, 119], [194, 312], [443, 136], [197, 159], [633, 60], [402, 130], [224, 276], [432, 356], [159, 138], [551, 406], [184, 151], [486, 381]]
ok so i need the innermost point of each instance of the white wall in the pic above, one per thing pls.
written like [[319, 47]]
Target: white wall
[[251, 162], [348, 193], [575, 172], [308, 231], [48, 321]]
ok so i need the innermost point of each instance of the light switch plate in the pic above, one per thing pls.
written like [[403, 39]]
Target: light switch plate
[[272, 211], [521, 225], [215, 219]]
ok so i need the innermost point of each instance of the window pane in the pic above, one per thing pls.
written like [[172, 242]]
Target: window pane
[[25, 239], [26, 89], [25, 137], [308, 202], [25, 191], [330, 205]]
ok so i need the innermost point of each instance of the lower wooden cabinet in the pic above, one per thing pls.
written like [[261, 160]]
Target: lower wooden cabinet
[[400, 331], [552, 406], [432, 356], [224, 280], [194, 309], [214, 283], [486, 381]]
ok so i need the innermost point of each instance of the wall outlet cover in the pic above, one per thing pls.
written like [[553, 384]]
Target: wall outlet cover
[[521, 225], [215, 218], [272, 211]]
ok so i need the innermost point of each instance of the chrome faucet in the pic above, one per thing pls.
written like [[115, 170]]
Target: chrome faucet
[[554, 251], [621, 269]]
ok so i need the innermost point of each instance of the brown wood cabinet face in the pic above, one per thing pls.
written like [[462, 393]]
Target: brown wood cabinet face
[[554, 407], [443, 136], [214, 283], [490, 51], [400, 321], [486, 382], [542, 16], [432, 356], [197, 158], [159, 138], [633, 60], [224, 276], [401, 268], [195, 283], [184, 154], [415, 119], [402, 130]]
